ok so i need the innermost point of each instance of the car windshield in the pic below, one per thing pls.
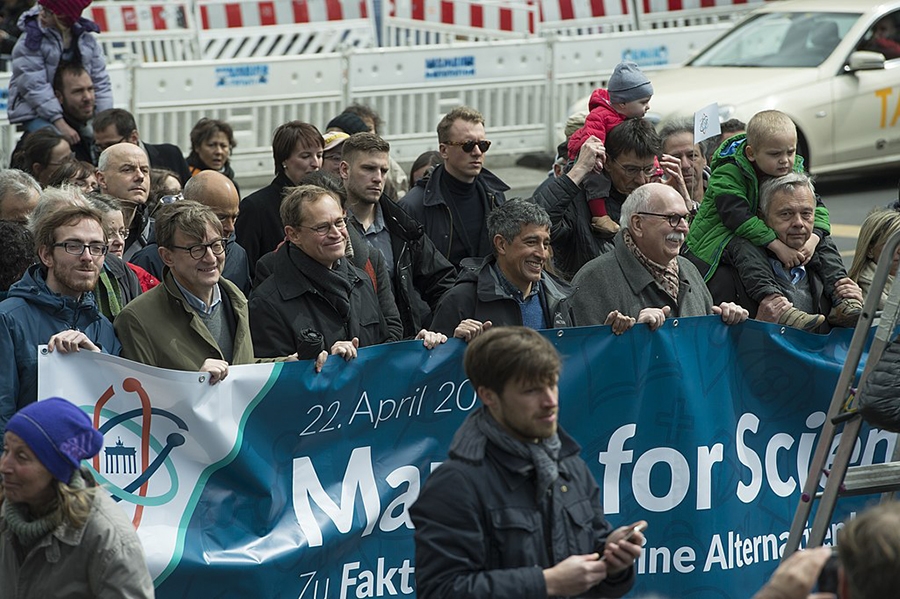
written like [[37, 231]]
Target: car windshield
[[779, 39]]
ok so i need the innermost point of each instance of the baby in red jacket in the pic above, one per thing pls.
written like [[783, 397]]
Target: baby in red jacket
[[627, 96]]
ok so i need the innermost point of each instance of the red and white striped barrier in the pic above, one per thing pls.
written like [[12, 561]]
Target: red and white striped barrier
[[655, 6], [263, 13], [571, 10], [510, 16], [121, 17]]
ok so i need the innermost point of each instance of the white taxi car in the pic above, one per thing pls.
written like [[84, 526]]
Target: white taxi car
[[832, 65]]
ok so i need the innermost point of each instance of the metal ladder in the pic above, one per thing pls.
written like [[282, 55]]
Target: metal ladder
[[842, 480]]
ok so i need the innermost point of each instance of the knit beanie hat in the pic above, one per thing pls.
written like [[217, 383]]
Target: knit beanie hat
[[628, 84], [66, 8], [347, 122], [59, 433]]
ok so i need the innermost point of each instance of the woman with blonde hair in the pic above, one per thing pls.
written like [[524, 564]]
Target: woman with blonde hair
[[873, 235], [60, 534]]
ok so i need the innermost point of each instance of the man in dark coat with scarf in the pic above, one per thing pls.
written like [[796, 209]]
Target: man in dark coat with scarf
[[514, 511]]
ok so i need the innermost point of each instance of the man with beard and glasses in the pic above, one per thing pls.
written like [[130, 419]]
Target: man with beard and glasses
[[514, 510], [644, 279], [53, 302]]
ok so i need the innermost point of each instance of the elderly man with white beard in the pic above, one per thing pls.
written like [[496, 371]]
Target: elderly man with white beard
[[644, 279]]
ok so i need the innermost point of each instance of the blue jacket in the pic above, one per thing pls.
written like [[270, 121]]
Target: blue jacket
[[35, 58], [29, 316]]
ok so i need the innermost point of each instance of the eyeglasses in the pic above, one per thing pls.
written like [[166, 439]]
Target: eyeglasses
[[76, 248], [68, 158], [673, 219], [333, 157], [634, 171], [165, 201], [100, 147], [467, 146], [120, 233], [325, 228], [198, 250]]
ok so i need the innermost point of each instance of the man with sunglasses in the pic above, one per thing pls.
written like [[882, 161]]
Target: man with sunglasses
[[53, 303], [453, 203], [195, 320], [644, 279]]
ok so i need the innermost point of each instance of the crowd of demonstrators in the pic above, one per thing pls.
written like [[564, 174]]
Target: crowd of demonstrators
[[454, 201], [324, 260]]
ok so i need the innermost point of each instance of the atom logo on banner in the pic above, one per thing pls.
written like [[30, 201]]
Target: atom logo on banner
[[121, 459]]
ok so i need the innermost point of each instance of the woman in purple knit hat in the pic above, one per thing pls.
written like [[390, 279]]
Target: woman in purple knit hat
[[60, 534]]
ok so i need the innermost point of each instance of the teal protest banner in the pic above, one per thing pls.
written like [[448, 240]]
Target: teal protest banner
[[278, 482]]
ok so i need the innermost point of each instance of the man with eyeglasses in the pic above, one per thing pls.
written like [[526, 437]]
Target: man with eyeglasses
[[629, 158], [453, 203], [195, 320], [213, 189], [316, 300], [644, 279], [53, 303], [117, 125]]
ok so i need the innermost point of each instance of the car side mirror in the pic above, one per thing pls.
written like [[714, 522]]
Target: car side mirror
[[864, 60]]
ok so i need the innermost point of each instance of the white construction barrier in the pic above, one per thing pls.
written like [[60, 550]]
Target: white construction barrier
[[253, 96], [506, 81]]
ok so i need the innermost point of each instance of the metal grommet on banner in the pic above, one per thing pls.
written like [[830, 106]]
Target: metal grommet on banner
[[560, 333], [44, 351], [675, 323], [202, 378], [783, 329]]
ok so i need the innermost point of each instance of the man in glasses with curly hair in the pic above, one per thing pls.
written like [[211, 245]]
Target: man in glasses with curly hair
[[453, 203]]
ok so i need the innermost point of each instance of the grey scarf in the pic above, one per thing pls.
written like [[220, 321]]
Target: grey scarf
[[542, 454], [30, 531]]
